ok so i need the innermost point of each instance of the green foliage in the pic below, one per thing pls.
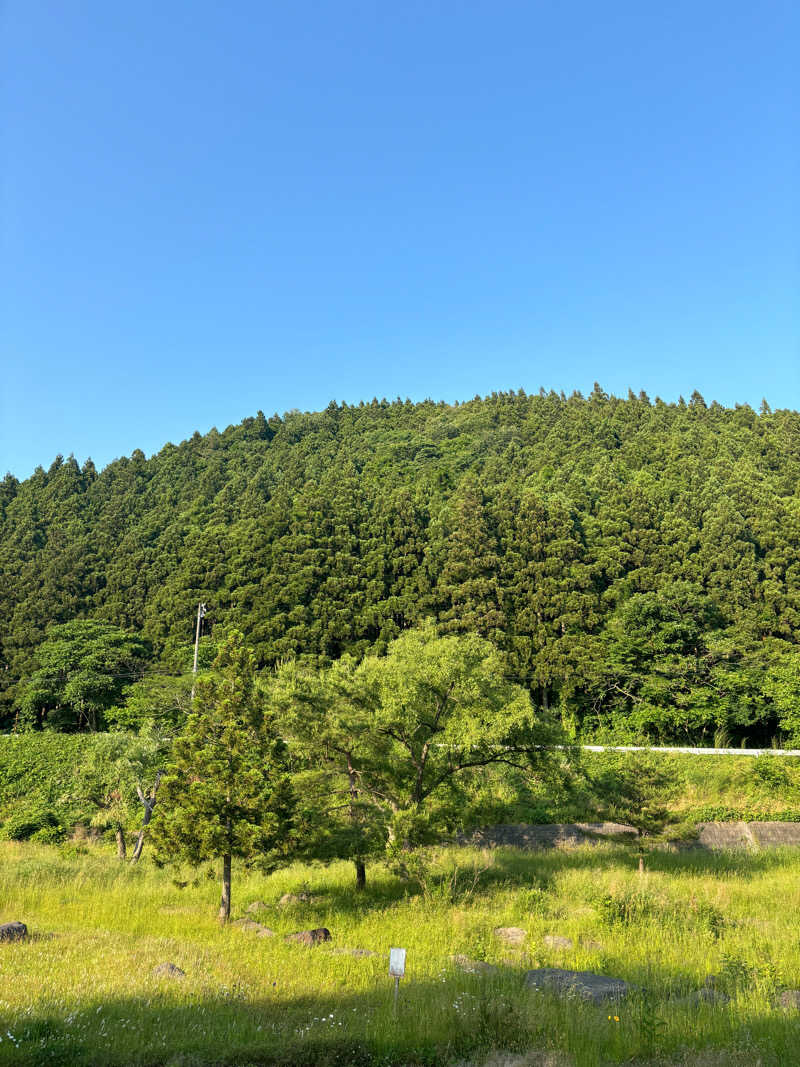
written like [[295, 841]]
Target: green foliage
[[635, 789], [156, 702], [225, 791], [37, 820], [82, 669], [45, 780], [782, 685], [395, 743], [625, 907], [635, 562]]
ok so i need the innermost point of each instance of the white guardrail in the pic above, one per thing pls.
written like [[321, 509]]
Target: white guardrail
[[693, 751]]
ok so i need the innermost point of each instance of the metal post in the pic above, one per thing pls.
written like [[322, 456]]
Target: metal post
[[201, 611]]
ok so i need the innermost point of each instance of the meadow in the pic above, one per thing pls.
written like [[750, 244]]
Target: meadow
[[81, 990]]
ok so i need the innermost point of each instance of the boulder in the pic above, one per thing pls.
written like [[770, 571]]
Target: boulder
[[310, 937], [252, 927], [295, 898], [584, 984], [557, 941], [512, 935], [257, 905], [464, 963], [168, 970], [14, 931]]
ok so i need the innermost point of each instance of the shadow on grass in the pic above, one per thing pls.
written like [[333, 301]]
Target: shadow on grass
[[511, 868], [436, 1024]]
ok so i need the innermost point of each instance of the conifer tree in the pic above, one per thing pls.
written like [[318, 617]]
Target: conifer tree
[[226, 793]]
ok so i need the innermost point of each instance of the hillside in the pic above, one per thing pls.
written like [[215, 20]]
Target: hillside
[[637, 562]]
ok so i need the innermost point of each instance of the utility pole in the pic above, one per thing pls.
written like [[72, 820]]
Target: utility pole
[[201, 612]]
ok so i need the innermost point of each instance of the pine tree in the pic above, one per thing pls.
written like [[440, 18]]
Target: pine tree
[[226, 791]]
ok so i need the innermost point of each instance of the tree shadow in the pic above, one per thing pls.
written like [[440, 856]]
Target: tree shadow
[[175, 1024], [458, 874]]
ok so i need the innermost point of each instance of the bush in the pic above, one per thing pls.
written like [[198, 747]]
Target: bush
[[31, 822], [624, 907]]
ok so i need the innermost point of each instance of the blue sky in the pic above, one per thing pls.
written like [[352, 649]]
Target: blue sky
[[209, 209]]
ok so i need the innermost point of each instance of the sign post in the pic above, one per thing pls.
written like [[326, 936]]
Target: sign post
[[397, 969]]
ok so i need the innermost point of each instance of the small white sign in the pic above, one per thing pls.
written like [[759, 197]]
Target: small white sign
[[397, 962]]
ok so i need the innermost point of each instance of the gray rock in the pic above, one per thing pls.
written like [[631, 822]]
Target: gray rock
[[257, 905], [252, 927], [295, 898], [310, 937], [584, 984], [790, 1000], [706, 995], [512, 935], [557, 941], [553, 835], [464, 963], [168, 970], [15, 931], [247, 924]]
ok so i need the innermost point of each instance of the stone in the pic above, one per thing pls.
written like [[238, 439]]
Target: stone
[[512, 935], [584, 984], [310, 937], [557, 941], [295, 898], [14, 931], [257, 905], [246, 924], [251, 926], [358, 953], [168, 970], [464, 963], [706, 995], [789, 1000]]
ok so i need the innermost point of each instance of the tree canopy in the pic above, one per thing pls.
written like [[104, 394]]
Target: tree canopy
[[636, 563], [226, 793], [390, 743]]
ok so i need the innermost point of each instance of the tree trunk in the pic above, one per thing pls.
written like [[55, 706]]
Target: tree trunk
[[361, 875], [137, 848], [148, 803], [225, 902], [641, 863], [122, 848]]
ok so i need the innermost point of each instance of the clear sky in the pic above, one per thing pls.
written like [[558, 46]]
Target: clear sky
[[211, 208]]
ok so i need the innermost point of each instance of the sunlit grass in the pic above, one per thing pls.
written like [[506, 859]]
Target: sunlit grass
[[82, 991]]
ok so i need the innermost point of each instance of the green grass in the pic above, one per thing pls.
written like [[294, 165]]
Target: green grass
[[81, 989]]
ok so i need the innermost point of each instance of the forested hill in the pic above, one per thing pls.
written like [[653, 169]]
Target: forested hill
[[637, 562]]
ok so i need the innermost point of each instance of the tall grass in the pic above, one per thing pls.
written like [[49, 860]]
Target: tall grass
[[81, 989]]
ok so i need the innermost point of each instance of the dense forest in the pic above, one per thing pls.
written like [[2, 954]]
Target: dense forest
[[636, 563]]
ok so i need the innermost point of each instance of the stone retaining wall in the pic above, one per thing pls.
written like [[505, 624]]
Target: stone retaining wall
[[715, 836]]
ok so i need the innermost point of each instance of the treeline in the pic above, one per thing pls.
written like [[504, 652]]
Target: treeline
[[636, 563]]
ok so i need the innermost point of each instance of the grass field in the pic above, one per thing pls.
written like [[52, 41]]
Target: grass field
[[81, 989]]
